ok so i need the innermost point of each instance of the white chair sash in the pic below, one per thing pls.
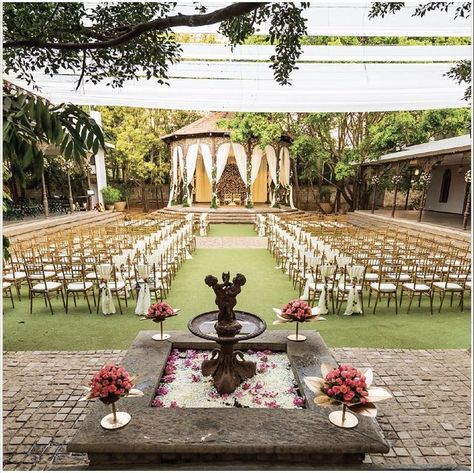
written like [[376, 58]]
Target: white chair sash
[[354, 305], [144, 297], [106, 299]]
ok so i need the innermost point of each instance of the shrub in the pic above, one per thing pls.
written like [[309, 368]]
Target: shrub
[[111, 195]]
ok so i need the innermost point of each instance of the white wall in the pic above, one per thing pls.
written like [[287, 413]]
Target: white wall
[[456, 191]]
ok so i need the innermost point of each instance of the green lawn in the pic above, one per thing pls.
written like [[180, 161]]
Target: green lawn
[[231, 229], [266, 288]]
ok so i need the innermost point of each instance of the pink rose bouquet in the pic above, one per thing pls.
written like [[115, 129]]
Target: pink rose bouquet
[[160, 311], [110, 383], [349, 386], [346, 384], [297, 311]]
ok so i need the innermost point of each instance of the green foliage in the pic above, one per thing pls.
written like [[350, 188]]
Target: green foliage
[[111, 195], [257, 127], [397, 130], [325, 194], [140, 155], [30, 123], [310, 155]]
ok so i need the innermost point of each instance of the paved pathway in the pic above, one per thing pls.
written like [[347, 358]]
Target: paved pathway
[[231, 242], [428, 421]]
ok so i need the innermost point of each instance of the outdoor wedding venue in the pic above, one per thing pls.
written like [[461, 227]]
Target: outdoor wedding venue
[[237, 236]]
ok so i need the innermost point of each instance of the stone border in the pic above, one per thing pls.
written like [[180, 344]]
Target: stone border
[[241, 436]]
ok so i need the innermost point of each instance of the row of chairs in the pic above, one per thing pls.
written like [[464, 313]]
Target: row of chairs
[[68, 266], [393, 265]]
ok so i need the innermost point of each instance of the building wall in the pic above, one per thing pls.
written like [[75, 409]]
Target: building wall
[[457, 191]]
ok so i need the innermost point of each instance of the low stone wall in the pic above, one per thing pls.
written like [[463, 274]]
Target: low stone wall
[[25, 230]]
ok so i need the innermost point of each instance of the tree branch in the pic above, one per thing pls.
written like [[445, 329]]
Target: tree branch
[[217, 16]]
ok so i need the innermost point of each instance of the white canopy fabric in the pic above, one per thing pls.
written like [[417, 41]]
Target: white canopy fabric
[[221, 159], [351, 18], [250, 87], [257, 154], [284, 166], [272, 162], [223, 52], [191, 159]]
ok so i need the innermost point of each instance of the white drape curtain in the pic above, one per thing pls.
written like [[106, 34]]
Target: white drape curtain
[[284, 166], [257, 154], [180, 162], [191, 159], [241, 160], [221, 159], [176, 157], [207, 159], [272, 162]]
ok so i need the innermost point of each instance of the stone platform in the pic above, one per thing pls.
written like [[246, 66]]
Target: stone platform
[[170, 438], [364, 218], [229, 213]]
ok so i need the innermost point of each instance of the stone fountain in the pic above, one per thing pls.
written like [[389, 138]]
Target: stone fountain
[[227, 327]]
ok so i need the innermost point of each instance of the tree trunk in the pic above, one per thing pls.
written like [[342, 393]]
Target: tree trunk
[[297, 183], [145, 198], [156, 198], [162, 197]]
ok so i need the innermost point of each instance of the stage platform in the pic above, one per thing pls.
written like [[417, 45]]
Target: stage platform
[[229, 213]]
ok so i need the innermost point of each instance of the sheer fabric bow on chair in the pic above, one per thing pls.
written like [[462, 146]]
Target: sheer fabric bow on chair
[[103, 272]]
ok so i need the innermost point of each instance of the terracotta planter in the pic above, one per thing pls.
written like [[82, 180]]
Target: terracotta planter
[[109, 206], [120, 206], [326, 207]]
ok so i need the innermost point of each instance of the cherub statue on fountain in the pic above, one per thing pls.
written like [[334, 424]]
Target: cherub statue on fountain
[[226, 299]]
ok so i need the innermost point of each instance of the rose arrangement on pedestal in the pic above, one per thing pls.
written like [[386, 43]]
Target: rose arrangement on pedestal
[[159, 312], [350, 387], [296, 311], [108, 385]]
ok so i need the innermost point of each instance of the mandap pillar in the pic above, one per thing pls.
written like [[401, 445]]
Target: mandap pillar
[[248, 185], [214, 204]]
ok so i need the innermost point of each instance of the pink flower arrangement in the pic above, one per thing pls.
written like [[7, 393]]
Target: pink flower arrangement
[[346, 384], [297, 311], [110, 383], [349, 386], [160, 311]]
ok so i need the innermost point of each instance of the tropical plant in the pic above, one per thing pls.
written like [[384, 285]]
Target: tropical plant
[[31, 123], [111, 195]]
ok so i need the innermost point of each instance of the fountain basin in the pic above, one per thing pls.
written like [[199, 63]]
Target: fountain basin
[[222, 438]]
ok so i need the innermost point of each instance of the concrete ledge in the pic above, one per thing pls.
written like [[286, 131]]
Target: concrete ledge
[[24, 230], [368, 220], [163, 437]]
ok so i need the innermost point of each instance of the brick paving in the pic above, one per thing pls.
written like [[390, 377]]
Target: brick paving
[[427, 423]]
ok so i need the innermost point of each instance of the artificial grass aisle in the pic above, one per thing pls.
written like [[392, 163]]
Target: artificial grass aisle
[[231, 229], [266, 288]]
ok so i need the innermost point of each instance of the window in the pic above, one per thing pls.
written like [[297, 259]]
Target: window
[[445, 185]]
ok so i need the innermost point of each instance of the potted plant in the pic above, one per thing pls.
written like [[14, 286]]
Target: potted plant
[[325, 200], [110, 195], [126, 189]]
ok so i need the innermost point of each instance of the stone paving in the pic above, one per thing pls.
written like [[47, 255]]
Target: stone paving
[[427, 422], [231, 242]]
